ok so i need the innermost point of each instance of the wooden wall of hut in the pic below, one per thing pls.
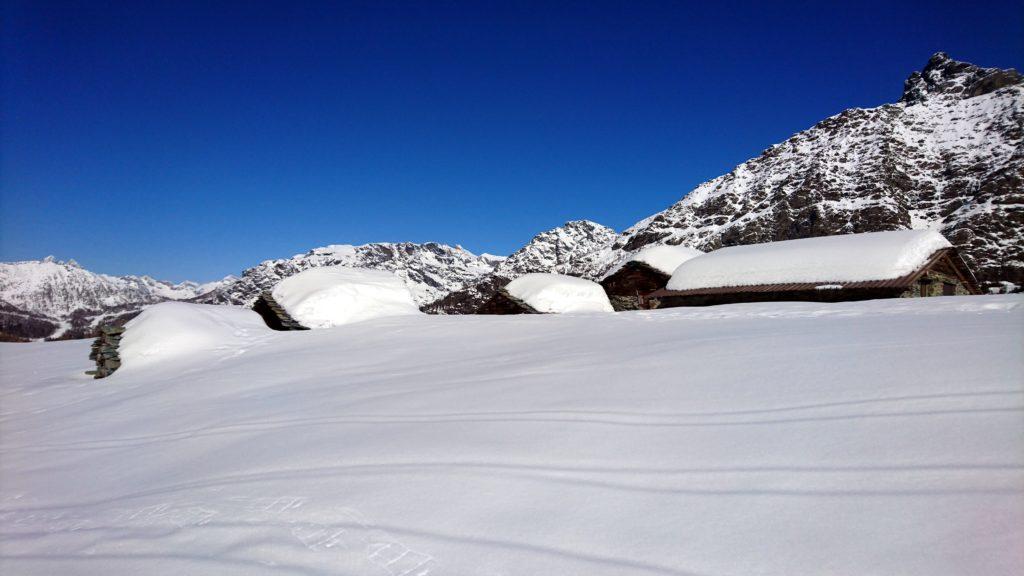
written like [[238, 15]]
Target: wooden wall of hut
[[629, 285]]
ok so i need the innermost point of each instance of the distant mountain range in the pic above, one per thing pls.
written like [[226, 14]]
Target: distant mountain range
[[50, 298], [949, 155]]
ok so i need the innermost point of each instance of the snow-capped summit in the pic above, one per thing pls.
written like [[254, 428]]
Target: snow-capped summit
[[947, 78]]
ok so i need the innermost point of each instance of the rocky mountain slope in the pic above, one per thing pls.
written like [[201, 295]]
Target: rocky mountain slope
[[50, 298], [429, 270], [563, 249], [948, 156]]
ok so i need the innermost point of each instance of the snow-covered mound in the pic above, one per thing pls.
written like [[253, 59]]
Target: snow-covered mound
[[177, 331], [559, 294], [662, 257], [848, 258], [429, 270], [337, 295], [774, 439]]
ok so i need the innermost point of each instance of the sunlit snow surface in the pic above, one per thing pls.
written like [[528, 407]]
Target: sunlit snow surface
[[880, 437]]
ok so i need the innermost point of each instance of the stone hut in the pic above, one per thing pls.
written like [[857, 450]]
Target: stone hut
[[897, 264], [629, 283], [542, 293]]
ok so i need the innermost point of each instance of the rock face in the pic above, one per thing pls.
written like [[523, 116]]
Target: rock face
[[949, 156], [429, 270], [569, 249], [50, 298]]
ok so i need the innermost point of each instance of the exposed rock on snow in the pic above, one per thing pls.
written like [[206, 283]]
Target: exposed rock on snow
[[846, 258], [559, 294], [335, 295]]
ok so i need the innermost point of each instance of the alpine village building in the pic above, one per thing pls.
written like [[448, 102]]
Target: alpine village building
[[896, 264], [646, 271]]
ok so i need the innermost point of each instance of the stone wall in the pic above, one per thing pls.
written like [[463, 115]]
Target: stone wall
[[931, 284]]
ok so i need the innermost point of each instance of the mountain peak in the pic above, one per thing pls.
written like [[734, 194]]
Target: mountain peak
[[946, 77]]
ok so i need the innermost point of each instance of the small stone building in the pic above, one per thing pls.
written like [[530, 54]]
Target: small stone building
[[648, 270], [542, 293], [897, 264]]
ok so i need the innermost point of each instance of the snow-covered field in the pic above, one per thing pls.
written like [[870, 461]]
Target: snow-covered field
[[787, 439]]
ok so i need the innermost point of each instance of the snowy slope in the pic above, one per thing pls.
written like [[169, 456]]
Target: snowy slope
[[779, 439], [949, 156]]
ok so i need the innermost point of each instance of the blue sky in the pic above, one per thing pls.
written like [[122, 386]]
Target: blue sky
[[191, 140]]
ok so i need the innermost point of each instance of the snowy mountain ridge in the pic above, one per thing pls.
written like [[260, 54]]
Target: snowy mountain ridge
[[52, 291], [429, 270], [949, 156], [564, 250]]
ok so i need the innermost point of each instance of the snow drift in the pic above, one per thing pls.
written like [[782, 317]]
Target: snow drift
[[336, 295], [781, 439], [176, 330], [844, 258], [559, 294]]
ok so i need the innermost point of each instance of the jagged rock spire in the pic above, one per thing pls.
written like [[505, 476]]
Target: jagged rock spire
[[952, 78]]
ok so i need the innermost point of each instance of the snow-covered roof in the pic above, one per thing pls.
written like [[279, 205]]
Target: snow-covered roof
[[828, 259], [175, 330], [334, 295], [558, 293], [663, 258]]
